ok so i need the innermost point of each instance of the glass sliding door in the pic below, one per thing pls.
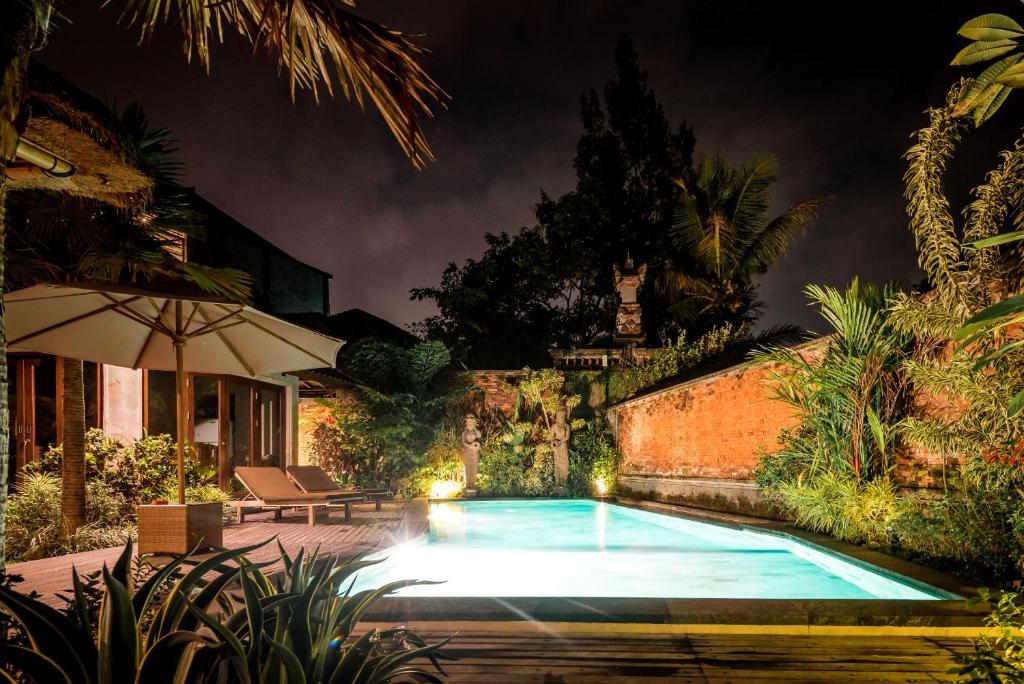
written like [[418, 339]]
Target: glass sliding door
[[268, 427], [161, 415], [205, 420], [240, 429], [232, 421]]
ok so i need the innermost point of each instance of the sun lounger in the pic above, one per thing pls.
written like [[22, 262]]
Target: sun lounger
[[313, 480], [270, 488]]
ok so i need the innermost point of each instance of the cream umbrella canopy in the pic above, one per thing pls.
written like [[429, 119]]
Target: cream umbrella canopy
[[137, 328]]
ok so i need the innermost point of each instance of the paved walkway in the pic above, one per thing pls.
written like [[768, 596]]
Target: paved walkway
[[368, 530]]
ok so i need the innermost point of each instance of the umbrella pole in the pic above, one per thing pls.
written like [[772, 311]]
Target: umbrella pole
[[179, 377]]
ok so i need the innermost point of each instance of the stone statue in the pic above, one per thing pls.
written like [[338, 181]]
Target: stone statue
[[629, 279], [560, 445], [470, 451]]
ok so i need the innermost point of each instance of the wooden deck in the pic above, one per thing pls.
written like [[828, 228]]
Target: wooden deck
[[368, 530], [636, 659]]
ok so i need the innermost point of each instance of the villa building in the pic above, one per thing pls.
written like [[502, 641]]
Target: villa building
[[232, 421]]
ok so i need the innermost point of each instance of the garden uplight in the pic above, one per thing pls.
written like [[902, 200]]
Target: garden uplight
[[601, 487], [444, 489]]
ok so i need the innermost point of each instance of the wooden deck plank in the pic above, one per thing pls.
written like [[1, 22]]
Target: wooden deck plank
[[368, 530], [619, 659]]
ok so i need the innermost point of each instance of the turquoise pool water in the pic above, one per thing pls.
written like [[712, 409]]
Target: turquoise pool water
[[587, 548]]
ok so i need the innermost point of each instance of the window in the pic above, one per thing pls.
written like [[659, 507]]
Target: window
[[161, 404]]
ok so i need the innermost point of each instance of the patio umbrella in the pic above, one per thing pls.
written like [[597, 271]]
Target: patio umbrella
[[137, 328]]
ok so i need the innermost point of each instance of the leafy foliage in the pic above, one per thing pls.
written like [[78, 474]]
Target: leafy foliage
[[118, 479], [964, 365], [669, 362], [851, 398], [993, 36], [516, 458], [33, 520], [999, 658], [140, 472], [551, 284], [220, 619], [397, 407], [843, 507]]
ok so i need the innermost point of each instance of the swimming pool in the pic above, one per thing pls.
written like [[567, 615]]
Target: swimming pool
[[594, 549]]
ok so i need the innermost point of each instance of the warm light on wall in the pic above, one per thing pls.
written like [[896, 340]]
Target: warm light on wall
[[601, 487], [444, 489]]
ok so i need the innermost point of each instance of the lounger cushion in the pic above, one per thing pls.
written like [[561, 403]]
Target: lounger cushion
[[272, 486], [314, 479]]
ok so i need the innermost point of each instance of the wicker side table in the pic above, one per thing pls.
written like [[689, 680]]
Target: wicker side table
[[177, 528]]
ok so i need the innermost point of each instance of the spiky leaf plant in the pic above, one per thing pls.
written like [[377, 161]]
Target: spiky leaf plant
[[217, 619]]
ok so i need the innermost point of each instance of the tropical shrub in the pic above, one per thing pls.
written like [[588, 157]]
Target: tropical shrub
[[33, 519], [593, 460], [443, 465], [850, 396], [118, 479], [671, 361], [846, 508], [966, 359], [999, 658], [397, 407], [221, 619], [139, 471], [516, 458]]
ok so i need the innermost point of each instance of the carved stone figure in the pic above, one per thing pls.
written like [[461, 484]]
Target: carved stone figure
[[471, 451], [560, 445], [628, 281]]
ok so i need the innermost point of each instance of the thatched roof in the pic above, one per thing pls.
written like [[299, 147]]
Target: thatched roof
[[81, 129]]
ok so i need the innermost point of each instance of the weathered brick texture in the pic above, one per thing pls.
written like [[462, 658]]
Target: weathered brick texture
[[498, 395], [712, 426], [717, 425]]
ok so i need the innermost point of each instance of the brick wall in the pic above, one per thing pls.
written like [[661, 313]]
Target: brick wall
[[497, 395], [715, 426], [712, 426]]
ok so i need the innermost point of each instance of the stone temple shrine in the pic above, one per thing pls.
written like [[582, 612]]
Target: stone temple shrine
[[627, 341]]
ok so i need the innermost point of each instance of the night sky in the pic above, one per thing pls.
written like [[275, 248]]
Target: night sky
[[834, 96]]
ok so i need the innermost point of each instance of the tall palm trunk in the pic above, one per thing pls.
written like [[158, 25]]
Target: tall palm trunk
[[18, 33], [72, 495]]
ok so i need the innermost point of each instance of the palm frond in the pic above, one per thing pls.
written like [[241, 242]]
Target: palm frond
[[680, 283], [753, 182], [230, 283], [764, 247], [320, 46]]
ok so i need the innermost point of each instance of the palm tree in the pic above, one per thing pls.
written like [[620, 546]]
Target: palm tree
[[723, 238], [320, 45]]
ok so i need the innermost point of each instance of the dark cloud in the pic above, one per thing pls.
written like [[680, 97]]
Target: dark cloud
[[833, 96]]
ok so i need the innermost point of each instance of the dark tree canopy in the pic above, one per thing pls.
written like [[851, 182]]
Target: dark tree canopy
[[551, 284]]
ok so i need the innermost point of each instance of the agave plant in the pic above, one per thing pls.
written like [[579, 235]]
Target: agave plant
[[220, 619]]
